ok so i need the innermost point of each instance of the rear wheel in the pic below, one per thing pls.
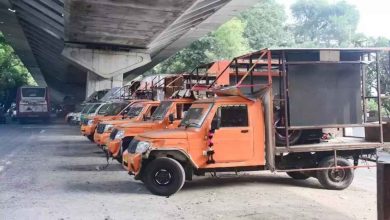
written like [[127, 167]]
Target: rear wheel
[[298, 175], [335, 178], [164, 176]]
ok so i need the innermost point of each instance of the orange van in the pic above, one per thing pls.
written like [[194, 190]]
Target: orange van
[[139, 110], [167, 116], [113, 110]]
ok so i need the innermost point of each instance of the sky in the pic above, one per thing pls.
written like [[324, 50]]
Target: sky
[[374, 16]]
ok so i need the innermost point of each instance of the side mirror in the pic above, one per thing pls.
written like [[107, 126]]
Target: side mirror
[[171, 118], [215, 124]]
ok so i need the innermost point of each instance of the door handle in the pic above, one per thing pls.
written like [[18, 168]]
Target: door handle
[[244, 131]]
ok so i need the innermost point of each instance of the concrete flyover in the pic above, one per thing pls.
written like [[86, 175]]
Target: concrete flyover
[[67, 43]]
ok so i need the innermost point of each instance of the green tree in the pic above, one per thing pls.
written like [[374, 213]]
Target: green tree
[[13, 74], [266, 26], [324, 24], [224, 43]]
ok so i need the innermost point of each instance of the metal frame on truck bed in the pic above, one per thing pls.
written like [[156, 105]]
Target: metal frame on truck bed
[[273, 61]]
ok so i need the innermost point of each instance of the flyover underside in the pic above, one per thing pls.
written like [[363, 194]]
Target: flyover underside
[[35, 30], [106, 37]]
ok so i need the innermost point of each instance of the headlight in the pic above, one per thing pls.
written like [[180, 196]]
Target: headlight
[[108, 127], [120, 134], [142, 147], [90, 122]]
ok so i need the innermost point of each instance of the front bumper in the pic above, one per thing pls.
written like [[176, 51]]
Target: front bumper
[[101, 139], [132, 162], [87, 130], [114, 146]]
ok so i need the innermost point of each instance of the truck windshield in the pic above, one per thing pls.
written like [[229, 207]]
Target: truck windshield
[[33, 92], [115, 108], [86, 108], [161, 111], [93, 108], [135, 110], [196, 115], [103, 109]]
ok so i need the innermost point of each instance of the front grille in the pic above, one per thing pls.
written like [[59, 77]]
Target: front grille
[[85, 121], [113, 133], [133, 146], [100, 128]]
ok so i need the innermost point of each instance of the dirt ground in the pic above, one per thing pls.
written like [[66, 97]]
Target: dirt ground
[[51, 172]]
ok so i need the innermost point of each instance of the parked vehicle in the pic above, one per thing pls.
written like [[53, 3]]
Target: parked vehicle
[[139, 110], [235, 132], [32, 103], [167, 116], [71, 117], [11, 112], [105, 111]]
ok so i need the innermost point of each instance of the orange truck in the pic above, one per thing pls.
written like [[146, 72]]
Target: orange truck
[[225, 134], [139, 110], [233, 132], [167, 116], [109, 111]]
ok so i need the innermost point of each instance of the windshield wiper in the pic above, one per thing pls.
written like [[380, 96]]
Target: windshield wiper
[[186, 125]]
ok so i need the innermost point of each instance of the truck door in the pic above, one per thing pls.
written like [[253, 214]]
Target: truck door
[[233, 141]]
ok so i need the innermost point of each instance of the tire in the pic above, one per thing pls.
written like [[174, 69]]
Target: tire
[[298, 175], [335, 179], [280, 137], [156, 180], [90, 137]]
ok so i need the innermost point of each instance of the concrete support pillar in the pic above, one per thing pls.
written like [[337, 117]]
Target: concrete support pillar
[[105, 63], [383, 190], [96, 83]]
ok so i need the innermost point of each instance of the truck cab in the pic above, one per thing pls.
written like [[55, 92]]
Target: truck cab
[[167, 116], [216, 134], [139, 110], [106, 111]]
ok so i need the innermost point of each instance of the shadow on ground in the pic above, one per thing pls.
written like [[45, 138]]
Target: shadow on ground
[[112, 186], [241, 180], [102, 167]]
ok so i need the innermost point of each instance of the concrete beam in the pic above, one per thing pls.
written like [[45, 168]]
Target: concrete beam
[[106, 63]]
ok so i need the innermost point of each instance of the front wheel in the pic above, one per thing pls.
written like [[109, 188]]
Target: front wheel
[[335, 178], [164, 176], [90, 137]]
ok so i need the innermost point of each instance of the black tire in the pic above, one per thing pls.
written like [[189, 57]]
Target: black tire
[[164, 176], [280, 136], [335, 179], [90, 137], [298, 175]]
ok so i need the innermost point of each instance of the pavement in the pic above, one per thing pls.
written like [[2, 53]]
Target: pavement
[[52, 172]]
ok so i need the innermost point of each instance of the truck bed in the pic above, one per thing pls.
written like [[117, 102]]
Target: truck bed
[[339, 143]]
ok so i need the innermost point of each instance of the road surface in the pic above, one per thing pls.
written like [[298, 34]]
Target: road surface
[[51, 172]]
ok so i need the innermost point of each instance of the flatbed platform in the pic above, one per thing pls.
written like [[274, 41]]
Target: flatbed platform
[[339, 143]]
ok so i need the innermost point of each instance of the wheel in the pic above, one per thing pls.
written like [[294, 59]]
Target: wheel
[[90, 137], [164, 176], [119, 158], [280, 135], [335, 178], [298, 175]]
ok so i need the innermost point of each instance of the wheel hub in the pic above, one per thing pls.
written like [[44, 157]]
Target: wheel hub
[[163, 177], [337, 175]]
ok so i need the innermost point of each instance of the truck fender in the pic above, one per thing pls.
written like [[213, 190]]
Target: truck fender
[[176, 154]]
